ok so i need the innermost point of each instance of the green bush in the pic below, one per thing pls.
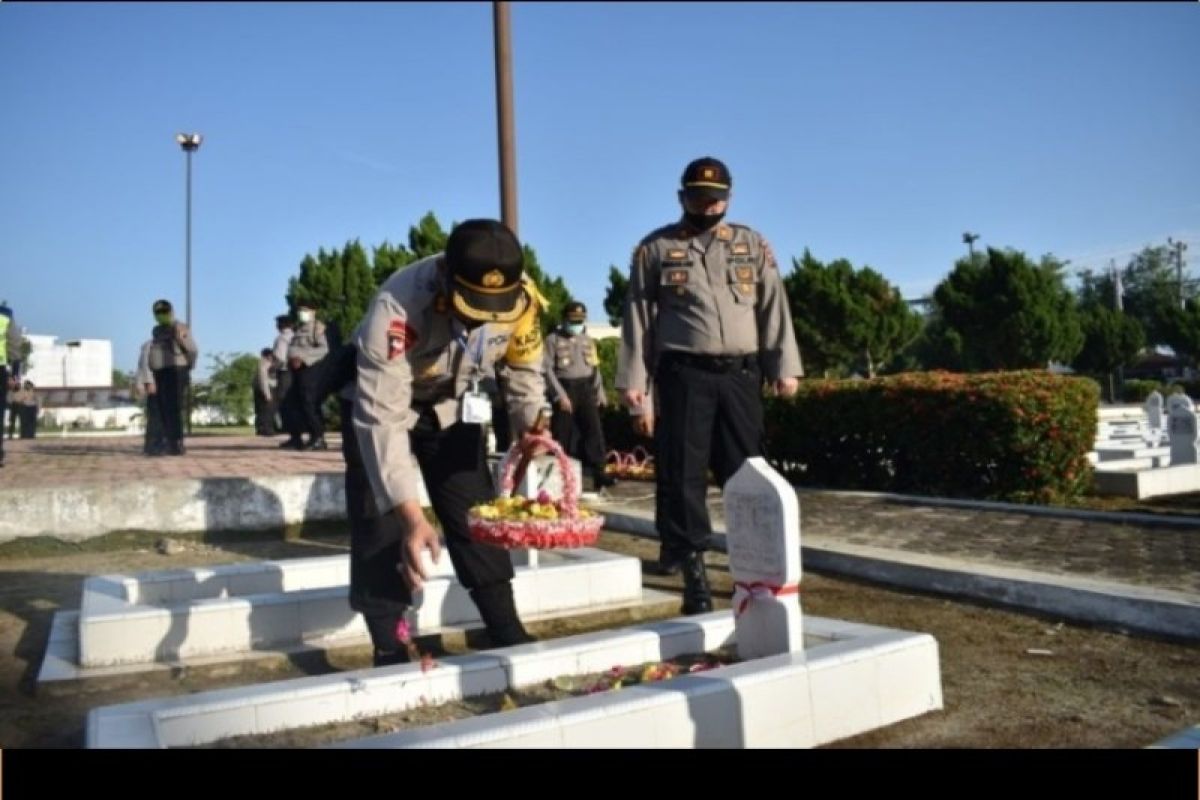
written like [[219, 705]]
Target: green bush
[[1020, 436], [1136, 391]]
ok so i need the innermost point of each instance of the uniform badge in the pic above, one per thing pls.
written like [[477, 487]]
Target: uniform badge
[[401, 338], [725, 233], [676, 255], [677, 277], [741, 249], [744, 274], [746, 288]]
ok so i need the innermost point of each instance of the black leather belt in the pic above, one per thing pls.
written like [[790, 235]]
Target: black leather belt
[[710, 363]]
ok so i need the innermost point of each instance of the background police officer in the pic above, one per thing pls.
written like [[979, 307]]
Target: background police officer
[[10, 356], [706, 320], [577, 391], [171, 358], [285, 330], [306, 352], [433, 332]]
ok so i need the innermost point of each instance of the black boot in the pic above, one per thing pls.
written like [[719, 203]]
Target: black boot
[[697, 598], [388, 649], [293, 443], [667, 565], [385, 658], [499, 614], [317, 444]]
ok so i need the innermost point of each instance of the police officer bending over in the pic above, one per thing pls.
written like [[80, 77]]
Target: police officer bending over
[[706, 320], [572, 369], [432, 333]]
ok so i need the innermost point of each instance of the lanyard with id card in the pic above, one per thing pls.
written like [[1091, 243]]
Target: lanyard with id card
[[474, 407]]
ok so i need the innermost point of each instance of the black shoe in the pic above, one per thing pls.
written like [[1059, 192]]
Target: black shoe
[[499, 613], [602, 481], [176, 448], [381, 658], [316, 444], [294, 443], [697, 597], [667, 566]]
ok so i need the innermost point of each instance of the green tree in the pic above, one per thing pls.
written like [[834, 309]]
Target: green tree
[[1001, 311], [229, 387], [847, 319], [1111, 339], [1153, 293], [121, 381], [614, 296], [339, 283]]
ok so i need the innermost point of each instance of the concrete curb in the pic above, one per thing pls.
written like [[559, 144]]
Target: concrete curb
[[1131, 608]]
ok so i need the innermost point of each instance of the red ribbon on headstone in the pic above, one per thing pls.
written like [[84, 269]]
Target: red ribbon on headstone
[[758, 589]]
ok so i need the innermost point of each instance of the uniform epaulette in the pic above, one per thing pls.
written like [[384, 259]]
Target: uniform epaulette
[[671, 230]]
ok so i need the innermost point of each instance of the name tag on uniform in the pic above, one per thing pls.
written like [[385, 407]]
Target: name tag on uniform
[[475, 408]]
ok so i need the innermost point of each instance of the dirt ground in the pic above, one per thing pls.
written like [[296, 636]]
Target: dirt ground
[[1009, 680]]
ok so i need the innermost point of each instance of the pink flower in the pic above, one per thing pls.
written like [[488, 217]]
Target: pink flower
[[544, 497]]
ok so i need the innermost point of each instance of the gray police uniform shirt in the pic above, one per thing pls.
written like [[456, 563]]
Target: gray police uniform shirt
[[172, 346], [413, 351], [309, 343], [571, 357], [715, 293], [264, 378], [280, 349], [144, 376]]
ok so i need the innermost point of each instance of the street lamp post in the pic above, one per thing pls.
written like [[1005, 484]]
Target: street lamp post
[[969, 240], [501, 31], [190, 142]]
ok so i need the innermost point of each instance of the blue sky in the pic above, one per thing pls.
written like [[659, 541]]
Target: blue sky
[[874, 132]]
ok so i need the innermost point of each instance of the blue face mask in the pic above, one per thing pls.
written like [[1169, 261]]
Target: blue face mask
[[574, 328]]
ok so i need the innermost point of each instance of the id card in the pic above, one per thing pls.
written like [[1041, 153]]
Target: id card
[[475, 408]]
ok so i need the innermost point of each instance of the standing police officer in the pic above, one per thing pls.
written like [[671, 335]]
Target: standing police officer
[[10, 356], [434, 331], [172, 356], [306, 352], [706, 320], [572, 369], [283, 379]]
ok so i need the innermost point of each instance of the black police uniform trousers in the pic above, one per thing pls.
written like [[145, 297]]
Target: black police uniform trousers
[[583, 418], [3, 403], [153, 441], [454, 467], [282, 405], [305, 400], [264, 415], [170, 391], [710, 415]]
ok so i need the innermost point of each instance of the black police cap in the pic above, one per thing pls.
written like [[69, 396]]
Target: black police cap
[[575, 312], [707, 176], [162, 306], [485, 264]]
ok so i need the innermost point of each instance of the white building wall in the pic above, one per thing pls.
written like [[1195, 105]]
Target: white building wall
[[85, 362]]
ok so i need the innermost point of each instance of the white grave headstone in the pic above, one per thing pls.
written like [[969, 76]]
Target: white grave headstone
[[762, 520], [1181, 420], [1154, 410]]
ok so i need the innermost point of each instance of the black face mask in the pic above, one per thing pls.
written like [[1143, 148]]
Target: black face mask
[[702, 221]]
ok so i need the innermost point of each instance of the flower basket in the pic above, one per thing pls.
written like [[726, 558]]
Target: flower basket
[[637, 465], [520, 522]]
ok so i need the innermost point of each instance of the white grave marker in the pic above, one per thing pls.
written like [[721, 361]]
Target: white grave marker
[[1154, 410], [762, 520], [1185, 449]]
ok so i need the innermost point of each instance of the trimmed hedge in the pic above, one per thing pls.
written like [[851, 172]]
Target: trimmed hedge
[[1016, 436]]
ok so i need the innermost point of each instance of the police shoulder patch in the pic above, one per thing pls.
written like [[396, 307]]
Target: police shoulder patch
[[401, 337]]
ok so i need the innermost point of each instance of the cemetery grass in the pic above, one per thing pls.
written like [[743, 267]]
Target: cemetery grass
[[1009, 680]]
